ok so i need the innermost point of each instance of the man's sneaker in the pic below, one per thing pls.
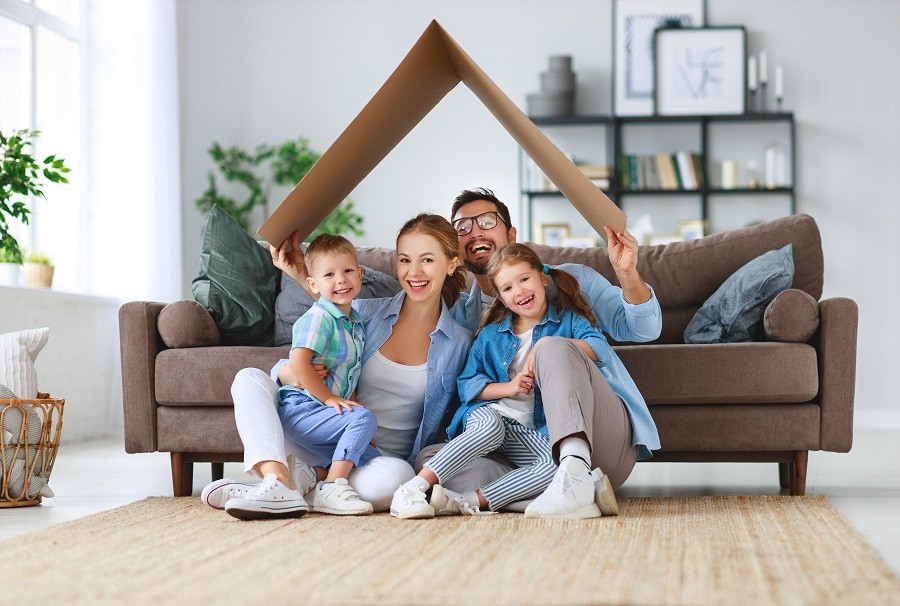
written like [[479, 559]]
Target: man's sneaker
[[604, 494], [339, 498], [303, 475], [570, 494], [268, 499], [216, 494], [446, 502], [409, 503]]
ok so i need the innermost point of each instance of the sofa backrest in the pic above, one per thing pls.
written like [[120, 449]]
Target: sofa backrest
[[685, 274]]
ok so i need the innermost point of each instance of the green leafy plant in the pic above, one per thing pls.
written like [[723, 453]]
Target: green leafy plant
[[38, 258], [21, 179], [256, 171]]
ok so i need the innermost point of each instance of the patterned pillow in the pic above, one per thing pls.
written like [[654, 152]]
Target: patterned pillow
[[17, 353]]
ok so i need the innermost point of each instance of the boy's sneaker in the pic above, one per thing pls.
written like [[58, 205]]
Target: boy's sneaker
[[604, 494], [339, 498], [447, 502], [303, 475], [216, 494], [268, 499], [409, 503], [570, 494]]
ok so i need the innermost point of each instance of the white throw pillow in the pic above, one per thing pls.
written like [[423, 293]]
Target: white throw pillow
[[17, 353]]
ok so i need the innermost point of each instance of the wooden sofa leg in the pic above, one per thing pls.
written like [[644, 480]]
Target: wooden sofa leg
[[218, 471], [784, 475], [182, 475], [798, 473]]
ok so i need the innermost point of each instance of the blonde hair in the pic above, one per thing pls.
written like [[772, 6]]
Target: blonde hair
[[326, 245], [441, 230], [568, 294]]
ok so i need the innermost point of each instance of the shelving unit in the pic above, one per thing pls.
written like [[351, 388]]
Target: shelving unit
[[611, 145]]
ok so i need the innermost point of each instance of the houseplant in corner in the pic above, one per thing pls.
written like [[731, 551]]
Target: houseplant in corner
[[38, 270], [21, 179]]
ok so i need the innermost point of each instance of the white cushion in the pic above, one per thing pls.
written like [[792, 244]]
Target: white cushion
[[18, 351]]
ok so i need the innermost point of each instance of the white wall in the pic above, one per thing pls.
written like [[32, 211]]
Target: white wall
[[254, 72]]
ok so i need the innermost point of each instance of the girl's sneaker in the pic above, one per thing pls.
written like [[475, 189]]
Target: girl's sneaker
[[216, 494], [339, 498], [446, 502], [409, 503], [268, 499]]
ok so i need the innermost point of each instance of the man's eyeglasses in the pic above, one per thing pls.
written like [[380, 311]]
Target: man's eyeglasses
[[486, 220]]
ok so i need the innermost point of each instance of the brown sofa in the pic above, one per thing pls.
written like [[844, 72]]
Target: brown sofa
[[770, 400]]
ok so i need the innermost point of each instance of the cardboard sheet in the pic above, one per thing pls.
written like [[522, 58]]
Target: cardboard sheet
[[431, 69]]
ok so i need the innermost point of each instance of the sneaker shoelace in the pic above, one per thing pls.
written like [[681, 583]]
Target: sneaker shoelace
[[413, 495]]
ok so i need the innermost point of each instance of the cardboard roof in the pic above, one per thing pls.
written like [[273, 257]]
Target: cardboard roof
[[431, 69]]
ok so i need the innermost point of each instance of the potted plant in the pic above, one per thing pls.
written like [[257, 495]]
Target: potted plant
[[257, 171], [21, 178], [10, 266], [38, 270]]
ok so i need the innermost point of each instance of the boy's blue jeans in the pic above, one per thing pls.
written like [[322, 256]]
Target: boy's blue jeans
[[324, 432]]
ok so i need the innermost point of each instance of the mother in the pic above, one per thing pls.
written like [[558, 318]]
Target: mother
[[413, 353]]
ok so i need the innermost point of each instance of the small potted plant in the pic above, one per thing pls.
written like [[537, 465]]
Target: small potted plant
[[38, 270]]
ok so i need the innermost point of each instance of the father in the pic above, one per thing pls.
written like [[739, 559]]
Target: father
[[596, 418]]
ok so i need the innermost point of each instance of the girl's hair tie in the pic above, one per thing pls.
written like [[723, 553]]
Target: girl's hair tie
[[546, 269]]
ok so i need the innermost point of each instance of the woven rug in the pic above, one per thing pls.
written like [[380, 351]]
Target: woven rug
[[685, 550]]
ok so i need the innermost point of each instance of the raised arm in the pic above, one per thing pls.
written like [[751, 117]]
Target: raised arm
[[288, 257]]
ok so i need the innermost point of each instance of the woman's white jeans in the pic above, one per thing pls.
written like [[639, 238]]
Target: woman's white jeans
[[256, 415]]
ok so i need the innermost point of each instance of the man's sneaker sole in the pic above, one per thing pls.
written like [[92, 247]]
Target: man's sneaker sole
[[588, 511], [421, 511], [265, 511], [605, 495], [212, 492]]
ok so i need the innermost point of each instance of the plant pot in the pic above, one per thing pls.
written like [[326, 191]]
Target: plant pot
[[38, 276], [9, 274]]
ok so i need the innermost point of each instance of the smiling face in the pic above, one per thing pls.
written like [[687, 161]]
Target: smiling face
[[477, 246], [522, 289], [337, 277], [422, 266]]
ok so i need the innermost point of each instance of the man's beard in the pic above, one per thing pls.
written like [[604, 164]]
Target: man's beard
[[479, 268]]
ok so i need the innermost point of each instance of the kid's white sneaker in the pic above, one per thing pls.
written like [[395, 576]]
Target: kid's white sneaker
[[604, 494], [303, 475], [447, 502], [268, 499], [339, 498], [216, 494], [570, 495], [409, 503]]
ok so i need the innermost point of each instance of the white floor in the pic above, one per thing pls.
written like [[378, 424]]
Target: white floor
[[864, 485]]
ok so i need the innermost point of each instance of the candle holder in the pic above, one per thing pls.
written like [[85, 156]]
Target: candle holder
[[762, 98], [751, 106]]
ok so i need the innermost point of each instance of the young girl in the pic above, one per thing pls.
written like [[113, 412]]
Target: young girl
[[501, 405]]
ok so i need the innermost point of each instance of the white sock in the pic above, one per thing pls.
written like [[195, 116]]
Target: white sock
[[419, 481], [472, 499], [575, 447]]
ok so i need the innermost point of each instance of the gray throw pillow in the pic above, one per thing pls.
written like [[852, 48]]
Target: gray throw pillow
[[734, 312], [292, 301], [237, 282]]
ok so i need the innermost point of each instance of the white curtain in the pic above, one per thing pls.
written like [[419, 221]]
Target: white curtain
[[133, 224]]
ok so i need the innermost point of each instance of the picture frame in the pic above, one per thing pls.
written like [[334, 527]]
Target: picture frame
[[552, 234], [700, 71], [634, 24], [691, 230], [579, 242]]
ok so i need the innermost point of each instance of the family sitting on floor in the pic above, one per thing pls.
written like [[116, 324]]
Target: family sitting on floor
[[534, 408]]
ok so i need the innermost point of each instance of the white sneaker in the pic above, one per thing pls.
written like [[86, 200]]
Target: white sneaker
[[303, 475], [268, 499], [604, 495], [216, 494], [339, 498], [447, 502], [570, 494], [409, 503]]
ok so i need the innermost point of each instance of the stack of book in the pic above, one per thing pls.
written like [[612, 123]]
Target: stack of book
[[664, 172]]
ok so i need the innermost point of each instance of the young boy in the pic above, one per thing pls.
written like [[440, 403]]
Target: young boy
[[322, 417]]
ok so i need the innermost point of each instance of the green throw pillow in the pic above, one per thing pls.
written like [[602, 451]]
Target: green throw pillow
[[237, 282]]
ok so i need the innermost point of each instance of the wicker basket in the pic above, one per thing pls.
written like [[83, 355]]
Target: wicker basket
[[38, 276], [30, 431]]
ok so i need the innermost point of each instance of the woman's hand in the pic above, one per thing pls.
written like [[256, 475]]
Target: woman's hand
[[341, 404], [288, 257]]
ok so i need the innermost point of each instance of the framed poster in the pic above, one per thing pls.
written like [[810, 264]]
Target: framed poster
[[552, 234], [634, 23], [700, 71]]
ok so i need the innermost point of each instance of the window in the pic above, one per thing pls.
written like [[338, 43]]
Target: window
[[41, 88]]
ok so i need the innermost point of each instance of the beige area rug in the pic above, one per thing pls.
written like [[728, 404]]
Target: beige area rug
[[685, 550]]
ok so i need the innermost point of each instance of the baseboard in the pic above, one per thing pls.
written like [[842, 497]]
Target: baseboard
[[876, 419]]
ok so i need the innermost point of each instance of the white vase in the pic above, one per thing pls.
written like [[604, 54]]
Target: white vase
[[9, 274]]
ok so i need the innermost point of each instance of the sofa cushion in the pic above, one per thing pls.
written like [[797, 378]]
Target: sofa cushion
[[792, 317], [734, 311], [723, 373], [293, 301], [186, 323], [237, 282]]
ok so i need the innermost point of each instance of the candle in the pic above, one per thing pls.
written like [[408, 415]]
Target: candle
[[751, 73], [779, 81], [729, 174], [763, 68]]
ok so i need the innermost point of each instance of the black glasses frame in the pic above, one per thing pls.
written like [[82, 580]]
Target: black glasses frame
[[478, 219]]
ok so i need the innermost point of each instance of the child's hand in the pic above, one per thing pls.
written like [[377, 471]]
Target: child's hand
[[340, 404], [522, 383]]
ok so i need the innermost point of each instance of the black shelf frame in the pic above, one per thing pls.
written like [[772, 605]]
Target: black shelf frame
[[615, 149]]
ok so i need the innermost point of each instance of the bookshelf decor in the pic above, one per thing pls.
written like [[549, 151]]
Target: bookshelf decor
[[700, 71]]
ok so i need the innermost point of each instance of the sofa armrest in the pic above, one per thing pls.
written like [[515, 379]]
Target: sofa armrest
[[139, 343], [838, 321]]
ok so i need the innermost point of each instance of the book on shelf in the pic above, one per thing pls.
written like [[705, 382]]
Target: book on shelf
[[680, 170]]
